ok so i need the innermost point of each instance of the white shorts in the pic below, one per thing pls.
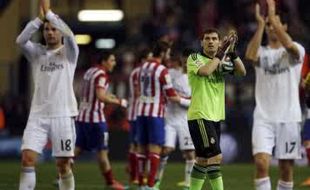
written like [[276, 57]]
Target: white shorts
[[60, 131], [178, 129], [282, 138]]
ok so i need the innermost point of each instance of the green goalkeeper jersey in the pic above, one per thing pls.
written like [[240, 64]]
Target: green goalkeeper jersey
[[208, 92]]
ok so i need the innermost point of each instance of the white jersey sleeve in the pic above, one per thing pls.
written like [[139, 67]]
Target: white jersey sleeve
[[29, 48], [72, 50], [302, 53]]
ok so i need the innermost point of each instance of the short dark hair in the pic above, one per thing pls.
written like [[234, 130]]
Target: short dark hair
[[160, 47], [45, 21], [209, 31], [104, 55], [143, 54]]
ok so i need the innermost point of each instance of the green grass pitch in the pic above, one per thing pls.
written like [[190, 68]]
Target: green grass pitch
[[236, 176]]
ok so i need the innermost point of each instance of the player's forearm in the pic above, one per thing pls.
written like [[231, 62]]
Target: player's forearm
[[284, 37], [251, 53], [112, 99], [239, 67], [108, 98], [26, 34], [208, 69]]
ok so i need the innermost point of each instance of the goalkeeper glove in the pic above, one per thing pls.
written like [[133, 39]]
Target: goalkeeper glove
[[226, 66], [221, 51], [232, 53]]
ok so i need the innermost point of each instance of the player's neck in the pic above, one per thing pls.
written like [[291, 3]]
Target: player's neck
[[53, 46], [209, 54], [104, 66], [274, 44], [157, 59]]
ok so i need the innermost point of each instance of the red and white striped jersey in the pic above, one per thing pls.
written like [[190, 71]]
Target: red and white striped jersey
[[133, 91], [91, 108], [155, 84]]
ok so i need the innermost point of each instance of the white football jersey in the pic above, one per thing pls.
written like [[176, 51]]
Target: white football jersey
[[174, 111], [53, 70], [277, 85]]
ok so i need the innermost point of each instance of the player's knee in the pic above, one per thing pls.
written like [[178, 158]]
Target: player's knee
[[155, 148], [215, 159], [166, 151], [189, 155], [28, 159], [63, 165], [102, 156], [262, 164], [209, 161]]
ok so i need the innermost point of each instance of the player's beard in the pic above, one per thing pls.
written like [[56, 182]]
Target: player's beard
[[210, 53]]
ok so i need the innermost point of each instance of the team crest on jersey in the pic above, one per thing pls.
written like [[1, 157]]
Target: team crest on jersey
[[194, 56], [101, 82], [212, 140], [58, 53], [198, 63]]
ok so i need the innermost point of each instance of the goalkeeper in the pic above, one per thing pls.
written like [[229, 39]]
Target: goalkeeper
[[206, 71]]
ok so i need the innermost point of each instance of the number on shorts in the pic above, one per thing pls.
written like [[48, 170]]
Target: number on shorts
[[289, 147], [66, 145], [187, 141]]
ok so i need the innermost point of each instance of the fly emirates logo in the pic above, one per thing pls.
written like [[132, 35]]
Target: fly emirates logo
[[51, 67]]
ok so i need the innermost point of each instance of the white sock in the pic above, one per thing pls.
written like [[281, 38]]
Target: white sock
[[27, 178], [188, 169], [283, 185], [66, 182], [263, 184], [161, 168]]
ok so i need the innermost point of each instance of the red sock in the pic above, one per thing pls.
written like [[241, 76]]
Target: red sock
[[133, 166], [308, 155], [109, 177], [141, 167], [154, 163]]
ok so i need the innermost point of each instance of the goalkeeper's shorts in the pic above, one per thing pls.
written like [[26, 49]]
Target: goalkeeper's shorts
[[206, 137]]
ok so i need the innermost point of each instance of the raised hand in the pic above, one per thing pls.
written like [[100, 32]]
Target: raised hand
[[234, 40], [232, 47], [271, 8], [41, 13], [259, 18], [46, 5], [222, 49]]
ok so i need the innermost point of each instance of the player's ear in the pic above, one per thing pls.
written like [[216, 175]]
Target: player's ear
[[285, 27]]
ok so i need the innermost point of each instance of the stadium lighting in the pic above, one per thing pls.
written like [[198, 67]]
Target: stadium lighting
[[112, 15], [83, 39], [105, 43]]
